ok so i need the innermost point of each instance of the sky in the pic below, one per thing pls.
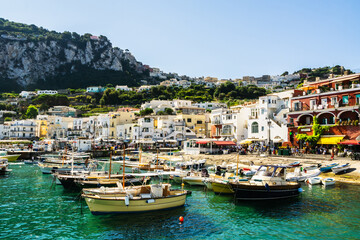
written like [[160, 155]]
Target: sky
[[223, 38]]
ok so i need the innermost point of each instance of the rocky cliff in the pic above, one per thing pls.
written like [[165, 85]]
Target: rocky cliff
[[30, 59]]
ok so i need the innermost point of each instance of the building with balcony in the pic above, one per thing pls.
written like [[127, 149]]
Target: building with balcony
[[268, 118], [334, 102], [24, 129]]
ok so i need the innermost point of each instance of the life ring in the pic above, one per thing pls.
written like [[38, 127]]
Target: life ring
[[274, 183]]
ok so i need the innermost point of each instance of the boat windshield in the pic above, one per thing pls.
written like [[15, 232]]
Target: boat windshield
[[3, 153], [265, 171]]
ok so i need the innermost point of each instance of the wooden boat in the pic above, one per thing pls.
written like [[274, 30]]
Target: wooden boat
[[269, 183], [9, 157], [313, 180], [4, 166], [136, 199], [340, 168], [328, 167], [328, 181]]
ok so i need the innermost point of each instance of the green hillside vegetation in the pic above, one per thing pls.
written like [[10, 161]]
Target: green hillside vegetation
[[197, 93], [323, 72]]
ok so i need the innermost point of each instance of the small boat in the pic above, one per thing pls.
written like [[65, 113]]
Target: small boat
[[135, 199], [313, 180], [269, 183], [328, 181], [196, 178], [340, 168], [299, 175], [294, 164], [4, 166], [30, 162], [328, 167], [9, 157]]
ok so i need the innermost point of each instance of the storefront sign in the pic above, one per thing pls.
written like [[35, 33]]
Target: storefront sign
[[305, 129]]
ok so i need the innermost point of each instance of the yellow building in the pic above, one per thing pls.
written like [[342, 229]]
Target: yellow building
[[197, 123], [42, 128], [119, 118]]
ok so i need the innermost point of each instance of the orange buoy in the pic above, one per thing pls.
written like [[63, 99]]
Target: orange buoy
[[181, 219]]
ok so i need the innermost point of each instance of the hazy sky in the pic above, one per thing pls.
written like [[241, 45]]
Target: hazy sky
[[223, 38]]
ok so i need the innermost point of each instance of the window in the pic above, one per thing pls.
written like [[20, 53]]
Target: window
[[269, 101], [297, 106], [308, 119], [189, 120], [199, 122], [262, 111], [333, 100], [262, 128], [345, 99], [324, 101], [254, 127], [357, 99], [263, 101]]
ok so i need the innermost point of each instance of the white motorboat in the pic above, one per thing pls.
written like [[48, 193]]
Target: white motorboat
[[313, 180], [4, 166], [328, 181], [299, 175], [340, 168]]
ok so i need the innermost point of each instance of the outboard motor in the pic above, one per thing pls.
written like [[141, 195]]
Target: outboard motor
[[218, 171], [204, 172]]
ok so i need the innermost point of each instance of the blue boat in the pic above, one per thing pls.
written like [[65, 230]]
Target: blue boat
[[327, 168]]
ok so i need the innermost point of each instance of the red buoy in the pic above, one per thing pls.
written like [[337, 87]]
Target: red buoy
[[181, 219]]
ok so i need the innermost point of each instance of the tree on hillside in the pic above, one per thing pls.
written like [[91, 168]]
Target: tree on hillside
[[31, 112]]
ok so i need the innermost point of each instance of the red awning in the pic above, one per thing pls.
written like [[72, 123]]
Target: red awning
[[224, 143], [202, 142], [350, 142]]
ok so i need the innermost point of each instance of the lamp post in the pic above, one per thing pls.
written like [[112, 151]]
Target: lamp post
[[269, 125]]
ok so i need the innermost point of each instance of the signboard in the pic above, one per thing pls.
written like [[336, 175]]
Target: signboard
[[305, 129]]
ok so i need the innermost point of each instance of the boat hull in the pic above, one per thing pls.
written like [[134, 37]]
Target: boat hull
[[11, 158], [261, 192], [193, 181], [313, 181], [107, 206], [338, 170], [328, 182], [222, 188]]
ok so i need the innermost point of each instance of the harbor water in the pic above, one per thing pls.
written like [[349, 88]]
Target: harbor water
[[32, 206]]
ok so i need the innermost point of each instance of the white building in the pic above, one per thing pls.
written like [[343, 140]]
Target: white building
[[27, 94], [50, 92], [122, 88], [210, 105], [145, 88], [268, 120], [23, 129]]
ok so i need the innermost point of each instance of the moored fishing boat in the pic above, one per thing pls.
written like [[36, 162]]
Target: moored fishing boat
[[340, 168], [328, 181], [136, 199], [328, 167], [9, 157], [268, 183]]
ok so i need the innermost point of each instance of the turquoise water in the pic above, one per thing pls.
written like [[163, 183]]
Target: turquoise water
[[32, 208]]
